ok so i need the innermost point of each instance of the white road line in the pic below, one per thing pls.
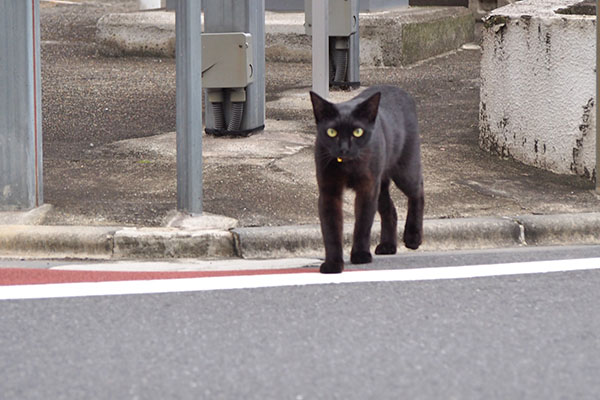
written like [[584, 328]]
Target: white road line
[[295, 279], [62, 2], [191, 265]]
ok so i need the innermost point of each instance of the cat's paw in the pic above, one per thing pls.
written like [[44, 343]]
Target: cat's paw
[[329, 267], [412, 240], [361, 257], [385, 248]]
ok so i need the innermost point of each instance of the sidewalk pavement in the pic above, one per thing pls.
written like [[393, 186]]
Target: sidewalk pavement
[[264, 190]]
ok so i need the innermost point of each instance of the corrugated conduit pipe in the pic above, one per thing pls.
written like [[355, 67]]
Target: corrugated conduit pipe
[[219, 115], [237, 112]]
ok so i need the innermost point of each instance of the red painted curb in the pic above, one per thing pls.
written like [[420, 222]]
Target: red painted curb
[[37, 276]]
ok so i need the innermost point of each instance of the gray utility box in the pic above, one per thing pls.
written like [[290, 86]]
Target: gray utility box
[[227, 60], [343, 17]]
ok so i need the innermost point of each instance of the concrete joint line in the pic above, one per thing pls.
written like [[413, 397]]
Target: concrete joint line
[[237, 244], [521, 238], [111, 242]]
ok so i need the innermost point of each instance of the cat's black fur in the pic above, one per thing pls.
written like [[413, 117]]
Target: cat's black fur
[[388, 150]]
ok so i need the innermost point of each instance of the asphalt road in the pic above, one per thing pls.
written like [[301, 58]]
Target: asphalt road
[[498, 337]]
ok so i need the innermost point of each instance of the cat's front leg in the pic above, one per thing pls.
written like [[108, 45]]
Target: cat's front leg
[[389, 221], [332, 225], [413, 229], [365, 206]]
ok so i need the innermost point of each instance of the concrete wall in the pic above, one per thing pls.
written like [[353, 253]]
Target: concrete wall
[[538, 86], [365, 5], [441, 3]]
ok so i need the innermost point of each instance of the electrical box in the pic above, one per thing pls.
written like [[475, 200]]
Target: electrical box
[[227, 60], [343, 18]]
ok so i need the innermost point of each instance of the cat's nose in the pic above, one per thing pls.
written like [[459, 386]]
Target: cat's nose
[[344, 148]]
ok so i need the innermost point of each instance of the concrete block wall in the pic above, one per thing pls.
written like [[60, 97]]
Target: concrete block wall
[[538, 86], [438, 3], [365, 5]]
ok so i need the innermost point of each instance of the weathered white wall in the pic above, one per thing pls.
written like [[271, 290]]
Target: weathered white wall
[[538, 86], [151, 4]]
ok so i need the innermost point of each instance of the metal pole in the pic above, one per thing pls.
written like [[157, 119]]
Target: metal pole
[[189, 106], [354, 50], [20, 106], [596, 103], [320, 47]]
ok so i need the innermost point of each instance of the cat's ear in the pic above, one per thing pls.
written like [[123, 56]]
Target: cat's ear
[[367, 110], [322, 109]]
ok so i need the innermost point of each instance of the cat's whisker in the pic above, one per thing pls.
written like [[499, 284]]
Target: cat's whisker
[[323, 156]]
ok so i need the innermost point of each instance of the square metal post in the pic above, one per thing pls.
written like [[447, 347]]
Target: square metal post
[[320, 47], [344, 41], [189, 105], [354, 50], [20, 106], [247, 16], [596, 103]]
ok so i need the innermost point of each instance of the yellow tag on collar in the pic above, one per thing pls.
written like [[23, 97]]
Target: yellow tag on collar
[[339, 159]]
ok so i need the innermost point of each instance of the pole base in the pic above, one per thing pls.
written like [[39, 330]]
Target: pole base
[[344, 85], [238, 133]]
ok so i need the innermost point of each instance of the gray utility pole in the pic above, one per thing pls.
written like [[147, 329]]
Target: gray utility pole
[[320, 46], [353, 74], [344, 36], [20, 106], [189, 105], [597, 93], [234, 66]]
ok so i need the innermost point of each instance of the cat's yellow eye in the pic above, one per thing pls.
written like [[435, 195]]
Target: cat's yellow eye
[[331, 132], [358, 132]]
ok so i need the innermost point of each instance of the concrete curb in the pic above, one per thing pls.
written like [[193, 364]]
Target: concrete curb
[[440, 234], [89, 242], [92, 242], [35, 241], [170, 243], [390, 38], [542, 230]]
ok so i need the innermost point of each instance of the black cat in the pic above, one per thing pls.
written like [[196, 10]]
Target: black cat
[[362, 144]]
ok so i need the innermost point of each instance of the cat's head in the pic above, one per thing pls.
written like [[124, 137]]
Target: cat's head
[[344, 129]]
